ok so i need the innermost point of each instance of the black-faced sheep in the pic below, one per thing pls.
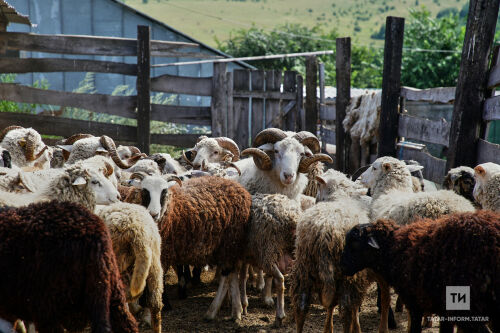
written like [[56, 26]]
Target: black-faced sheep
[[461, 180], [421, 259], [59, 270]]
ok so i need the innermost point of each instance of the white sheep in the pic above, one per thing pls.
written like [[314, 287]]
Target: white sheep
[[137, 246], [487, 187], [212, 150], [167, 164], [78, 183], [26, 147]]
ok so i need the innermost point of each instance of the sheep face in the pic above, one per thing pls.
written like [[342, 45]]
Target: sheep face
[[212, 150], [461, 180], [360, 249], [382, 167], [482, 174], [286, 156], [102, 187], [154, 190]]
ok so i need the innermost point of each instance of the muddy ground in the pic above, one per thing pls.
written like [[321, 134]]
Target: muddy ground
[[187, 314]]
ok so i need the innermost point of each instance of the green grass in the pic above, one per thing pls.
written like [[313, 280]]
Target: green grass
[[358, 19]]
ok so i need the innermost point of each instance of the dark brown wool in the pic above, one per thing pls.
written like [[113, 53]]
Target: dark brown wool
[[205, 223], [58, 270], [422, 258]]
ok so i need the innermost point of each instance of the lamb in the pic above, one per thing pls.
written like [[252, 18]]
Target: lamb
[[137, 246], [270, 244], [204, 222], [487, 187], [390, 183], [78, 183], [419, 260], [167, 164], [42, 249], [320, 240], [25, 147], [461, 180]]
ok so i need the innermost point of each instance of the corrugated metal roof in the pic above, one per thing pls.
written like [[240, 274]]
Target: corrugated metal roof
[[12, 15], [225, 55]]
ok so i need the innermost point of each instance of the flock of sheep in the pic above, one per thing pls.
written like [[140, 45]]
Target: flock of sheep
[[88, 230]]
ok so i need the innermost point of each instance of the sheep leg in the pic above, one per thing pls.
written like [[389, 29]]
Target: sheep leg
[[329, 301], [427, 323], [328, 327], [399, 305], [251, 277], [235, 296], [385, 306], [279, 282], [414, 321], [243, 287], [301, 309], [196, 278], [182, 278], [156, 320], [267, 294], [261, 284], [219, 298]]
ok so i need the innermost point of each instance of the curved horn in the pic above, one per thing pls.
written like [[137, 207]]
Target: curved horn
[[186, 158], [7, 130], [72, 139], [175, 179], [306, 162], [260, 158], [134, 150], [110, 146], [230, 145], [235, 167], [359, 172], [309, 140], [137, 175], [269, 135], [109, 169], [29, 149]]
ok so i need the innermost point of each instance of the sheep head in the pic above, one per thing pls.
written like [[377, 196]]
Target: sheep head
[[109, 145], [275, 151], [95, 180], [212, 150], [482, 175], [461, 180], [386, 167], [364, 245], [154, 190]]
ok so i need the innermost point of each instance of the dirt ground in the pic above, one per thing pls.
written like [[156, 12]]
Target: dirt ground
[[187, 314]]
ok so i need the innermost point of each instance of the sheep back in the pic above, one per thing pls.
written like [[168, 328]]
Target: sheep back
[[205, 222]]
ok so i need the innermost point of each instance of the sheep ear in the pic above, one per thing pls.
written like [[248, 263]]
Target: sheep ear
[[373, 243], [480, 171], [320, 180], [79, 181], [414, 168], [387, 167], [67, 148]]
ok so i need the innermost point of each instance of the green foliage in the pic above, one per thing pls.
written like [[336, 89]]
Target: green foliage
[[380, 34], [7, 106], [447, 12], [432, 69]]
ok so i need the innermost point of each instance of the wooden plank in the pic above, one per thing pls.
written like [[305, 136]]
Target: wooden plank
[[241, 108], [328, 112], [343, 78], [116, 105], [328, 135], [434, 168], [219, 100], [289, 111], [490, 92], [433, 95], [424, 129], [200, 86], [487, 152], [311, 91], [300, 102], [491, 109], [66, 127], [195, 115], [43, 65], [391, 85], [264, 94], [92, 45], [467, 112], [179, 140], [231, 132], [273, 114], [257, 83], [143, 87], [494, 77]]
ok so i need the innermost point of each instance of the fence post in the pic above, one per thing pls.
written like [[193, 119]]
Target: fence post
[[301, 126], [219, 100], [311, 99], [230, 109], [471, 85], [143, 88], [343, 78], [391, 85]]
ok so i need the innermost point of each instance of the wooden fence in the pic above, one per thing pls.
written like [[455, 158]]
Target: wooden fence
[[242, 103]]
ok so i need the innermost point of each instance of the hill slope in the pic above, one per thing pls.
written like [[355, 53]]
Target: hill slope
[[209, 19]]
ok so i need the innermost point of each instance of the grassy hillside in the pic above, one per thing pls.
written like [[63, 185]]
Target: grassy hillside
[[209, 19]]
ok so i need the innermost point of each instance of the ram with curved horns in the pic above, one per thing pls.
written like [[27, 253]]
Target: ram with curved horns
[[221, 150], [25, 146]]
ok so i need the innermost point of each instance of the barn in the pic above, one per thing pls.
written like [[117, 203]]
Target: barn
[[107, 18]]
